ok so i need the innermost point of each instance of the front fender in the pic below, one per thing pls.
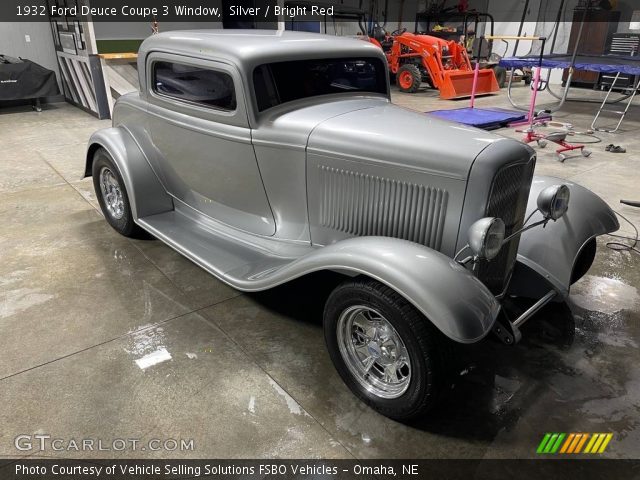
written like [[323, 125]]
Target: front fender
[[551, 252], [146, 194], [454, 300]]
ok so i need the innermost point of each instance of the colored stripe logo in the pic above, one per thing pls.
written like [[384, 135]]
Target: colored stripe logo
[[572, 443]]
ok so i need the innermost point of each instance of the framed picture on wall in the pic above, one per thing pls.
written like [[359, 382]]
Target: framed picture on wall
[[68, 42]]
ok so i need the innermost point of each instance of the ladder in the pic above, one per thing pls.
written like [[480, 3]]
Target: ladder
[[632, 91]]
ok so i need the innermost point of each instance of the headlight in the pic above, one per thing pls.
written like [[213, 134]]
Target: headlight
[[486, 237], [553, 201]]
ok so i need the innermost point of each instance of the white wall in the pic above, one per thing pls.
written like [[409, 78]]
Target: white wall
[[627, 8], [39, 50], [141, 30]]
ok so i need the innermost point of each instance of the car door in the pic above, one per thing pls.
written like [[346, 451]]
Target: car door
[[202, 141]]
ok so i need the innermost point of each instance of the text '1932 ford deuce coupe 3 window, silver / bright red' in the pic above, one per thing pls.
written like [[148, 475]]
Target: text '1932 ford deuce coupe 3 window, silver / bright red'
[[265, 156]]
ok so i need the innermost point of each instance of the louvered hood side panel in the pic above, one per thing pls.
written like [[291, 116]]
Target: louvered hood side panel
[[359, 204], [348, 199]]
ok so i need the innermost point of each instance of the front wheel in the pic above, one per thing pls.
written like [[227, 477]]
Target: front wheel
[[386, 352], [112, 195]]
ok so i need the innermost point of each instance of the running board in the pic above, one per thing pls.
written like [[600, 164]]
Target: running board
[[243, 265], [251, 263]]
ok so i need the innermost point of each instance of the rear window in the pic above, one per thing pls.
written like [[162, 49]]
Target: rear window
[[281, 82], [195, 85]]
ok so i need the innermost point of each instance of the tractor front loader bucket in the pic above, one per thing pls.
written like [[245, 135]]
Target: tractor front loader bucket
[[459, 83]]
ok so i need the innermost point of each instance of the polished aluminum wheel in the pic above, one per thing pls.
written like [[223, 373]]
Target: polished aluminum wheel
[[374, 352], [111, 193]]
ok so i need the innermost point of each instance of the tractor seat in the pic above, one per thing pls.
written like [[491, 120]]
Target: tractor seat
[[387, 44]]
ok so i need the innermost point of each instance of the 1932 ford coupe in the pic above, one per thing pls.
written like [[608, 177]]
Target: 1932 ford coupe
[[264, 156]]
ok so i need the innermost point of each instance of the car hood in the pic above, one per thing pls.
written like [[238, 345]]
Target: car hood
[[397, 136], [290, 124]]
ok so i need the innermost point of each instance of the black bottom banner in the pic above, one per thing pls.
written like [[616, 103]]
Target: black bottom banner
[[68, 469]]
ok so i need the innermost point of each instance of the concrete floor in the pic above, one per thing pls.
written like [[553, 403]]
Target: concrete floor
[[249, 375]]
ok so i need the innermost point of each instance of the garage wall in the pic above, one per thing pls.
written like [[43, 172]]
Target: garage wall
[[140, 30], [40, 50], [627, 7]]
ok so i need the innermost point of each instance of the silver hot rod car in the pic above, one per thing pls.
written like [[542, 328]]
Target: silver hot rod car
[[264, 156]]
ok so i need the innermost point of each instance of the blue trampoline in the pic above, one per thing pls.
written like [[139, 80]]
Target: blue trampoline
[[611, 64], [594, 63]]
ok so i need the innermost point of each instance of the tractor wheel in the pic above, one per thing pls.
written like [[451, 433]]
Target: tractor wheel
[[408, 78]]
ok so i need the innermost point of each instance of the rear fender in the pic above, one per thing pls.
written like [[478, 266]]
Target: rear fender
[[146, 194], [553, 252]]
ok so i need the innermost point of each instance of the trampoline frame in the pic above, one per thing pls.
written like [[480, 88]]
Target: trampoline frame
[[564, 95]]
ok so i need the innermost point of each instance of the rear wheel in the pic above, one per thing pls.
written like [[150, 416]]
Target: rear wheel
[[112, 195], [409, 78], [386, 352]]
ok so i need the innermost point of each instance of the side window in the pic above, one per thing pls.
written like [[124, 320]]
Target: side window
[[194, 85]]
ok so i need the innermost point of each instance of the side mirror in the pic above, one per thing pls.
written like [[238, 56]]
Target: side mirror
[[553, 201]]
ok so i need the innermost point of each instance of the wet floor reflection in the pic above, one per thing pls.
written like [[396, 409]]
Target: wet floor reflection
[[564, 358]]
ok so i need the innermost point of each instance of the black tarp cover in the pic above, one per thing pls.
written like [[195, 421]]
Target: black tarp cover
[[26, 80]]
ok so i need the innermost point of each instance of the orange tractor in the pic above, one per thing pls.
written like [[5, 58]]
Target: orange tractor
[[443, 64]]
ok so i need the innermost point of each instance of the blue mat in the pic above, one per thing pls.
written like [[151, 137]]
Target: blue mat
[[480, 117]]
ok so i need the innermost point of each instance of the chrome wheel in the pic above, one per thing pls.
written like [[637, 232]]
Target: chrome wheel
[[374, 352], [111, 193]]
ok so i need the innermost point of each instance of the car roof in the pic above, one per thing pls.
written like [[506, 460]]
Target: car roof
[[247, 48]]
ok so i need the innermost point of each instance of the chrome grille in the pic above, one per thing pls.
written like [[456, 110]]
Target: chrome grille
[[508, 201], [360, 204]]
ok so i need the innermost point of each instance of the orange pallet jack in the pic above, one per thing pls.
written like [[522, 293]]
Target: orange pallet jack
[[443, 64]]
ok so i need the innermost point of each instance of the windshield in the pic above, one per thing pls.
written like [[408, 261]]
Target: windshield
[[281, 82]]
